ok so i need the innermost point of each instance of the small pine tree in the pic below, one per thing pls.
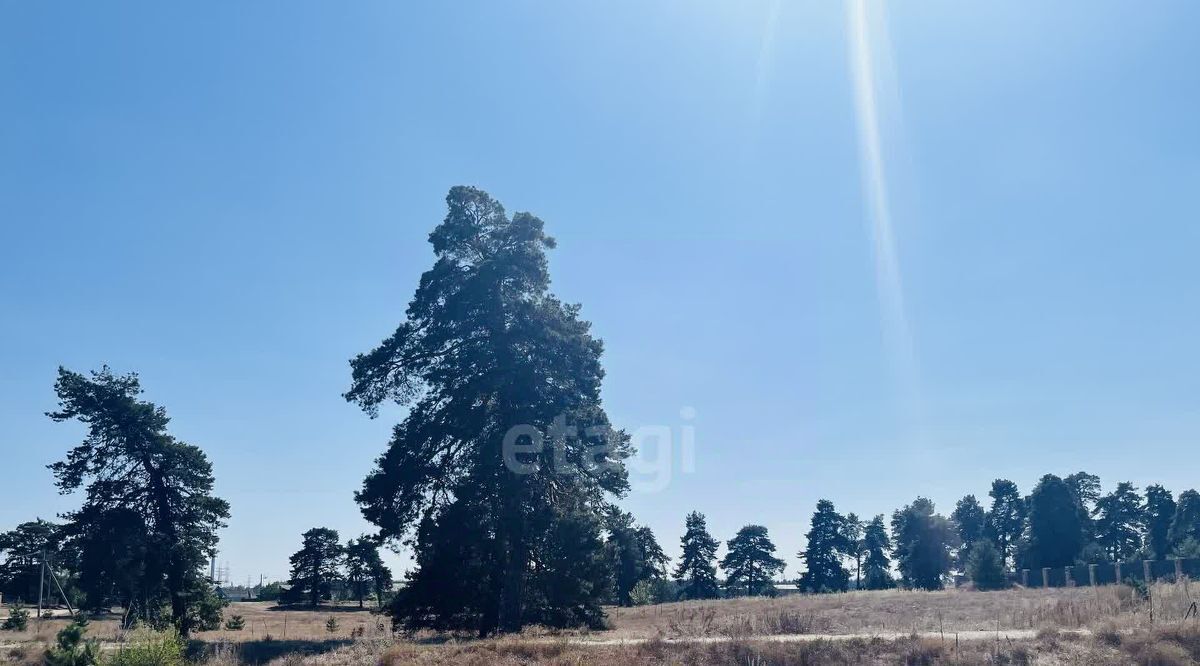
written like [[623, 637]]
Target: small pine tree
[[642, 594], [985, 568], [71, 649], [235, 623], [18, 619], [331, 625]]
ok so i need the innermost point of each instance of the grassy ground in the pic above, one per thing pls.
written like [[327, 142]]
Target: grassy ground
[[1108, 625], [263, 620], [905, 612]]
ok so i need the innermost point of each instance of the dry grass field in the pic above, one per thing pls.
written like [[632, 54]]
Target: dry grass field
[[1106, 625]]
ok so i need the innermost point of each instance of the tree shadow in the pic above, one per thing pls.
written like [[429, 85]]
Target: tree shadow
[[263, 651]]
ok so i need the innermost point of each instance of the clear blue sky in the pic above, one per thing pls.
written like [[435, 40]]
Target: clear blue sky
[[233, 199]]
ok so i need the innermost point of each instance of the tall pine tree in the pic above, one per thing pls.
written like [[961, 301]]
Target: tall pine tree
[[157, 489], [506, 453], [1006, 518], [1185, 525], [1160, 509], [1120, 519], [822, 555], [923, 542], [750, 563], [1056, 528], [316, 566], [697, 570], [877, 565], [970, 521]]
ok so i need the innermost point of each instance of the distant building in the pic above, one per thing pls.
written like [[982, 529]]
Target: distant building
[[236, 593], [784, 589]]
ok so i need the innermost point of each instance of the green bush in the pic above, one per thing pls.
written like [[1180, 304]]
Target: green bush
[[331, 625], [18, 619], [235, 623], [71, 649], [150, 648], [642, 594], [985, 567]]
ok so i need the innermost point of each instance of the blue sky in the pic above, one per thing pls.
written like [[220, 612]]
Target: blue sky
[[233, 199]]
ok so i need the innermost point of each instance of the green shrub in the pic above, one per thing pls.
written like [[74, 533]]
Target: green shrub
[[71, 649], [18, 619], [235, 623], [642, 594], [150, 648], [331, 625], [985, 567]]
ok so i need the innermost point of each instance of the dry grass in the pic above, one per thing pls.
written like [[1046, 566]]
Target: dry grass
[[263, 620], [905, 612], [1164, 647], [1125, 629]]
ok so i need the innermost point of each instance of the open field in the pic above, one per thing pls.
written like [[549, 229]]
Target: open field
[[263, 620], [1105, 625]]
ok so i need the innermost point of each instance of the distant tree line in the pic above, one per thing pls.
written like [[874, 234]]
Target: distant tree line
[[1062, 522], [323, 561]]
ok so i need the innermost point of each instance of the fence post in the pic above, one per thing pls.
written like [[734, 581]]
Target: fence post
[[1069, 576], [1147, 571], [1024, 577], [1178, 569], [1092, 574], [1045, 576], [1117, 571]]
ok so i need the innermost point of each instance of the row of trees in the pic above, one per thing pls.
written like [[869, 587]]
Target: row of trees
[[323, 561], [1062, 522]]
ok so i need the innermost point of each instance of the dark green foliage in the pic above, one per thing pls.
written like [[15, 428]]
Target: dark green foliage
[[750, 563], [316, 566], [1186, 523], [22, 549], [155, 490], [269, 592], [486, 352], [331, 625], [876, 562], [1086, 488], [970, 521], [1120, 519], [117, 565], [984, 567], [235, 623], [1056, 528], [17, 620], [826, 544], [365, 571], [1160, 510], [634, 555], [852, 533], [71, 648], [697, 569], [1006, 518], [1188, 549], [923, 543], [1092, 553], [204, 608]]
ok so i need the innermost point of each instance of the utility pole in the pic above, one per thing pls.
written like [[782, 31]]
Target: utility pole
[[41, 583]]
